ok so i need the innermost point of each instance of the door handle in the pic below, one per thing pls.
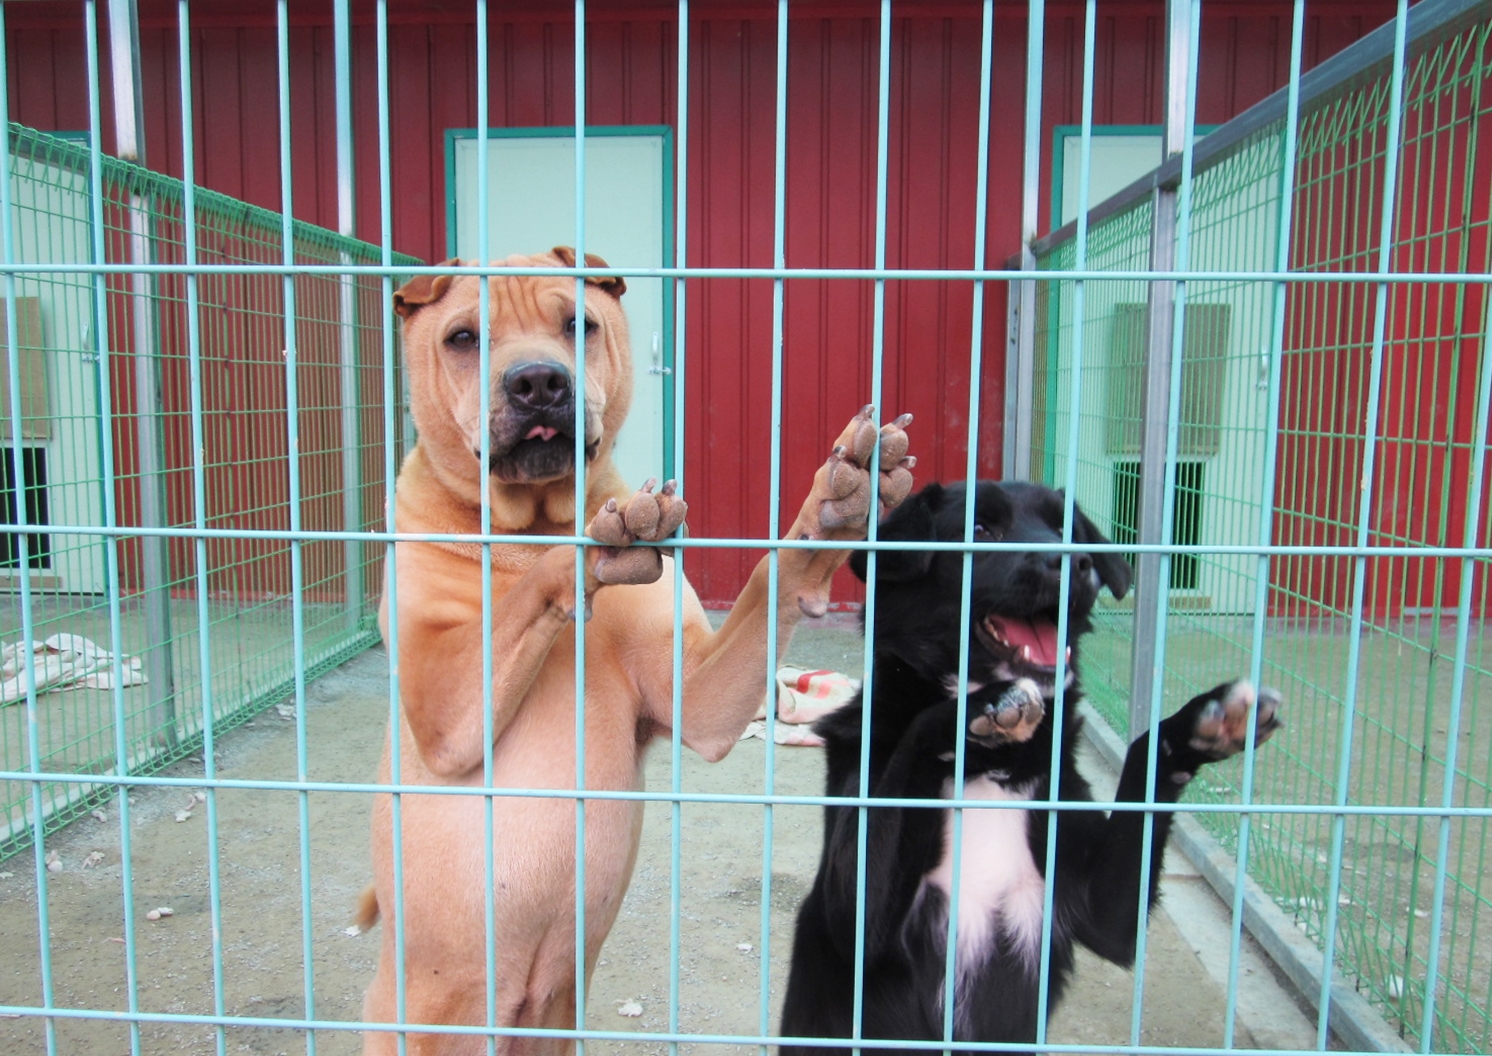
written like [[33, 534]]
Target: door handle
[[658, 367]]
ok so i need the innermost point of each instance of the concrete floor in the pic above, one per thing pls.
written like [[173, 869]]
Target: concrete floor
[[264, 920]]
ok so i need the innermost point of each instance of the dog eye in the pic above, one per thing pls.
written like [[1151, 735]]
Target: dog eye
[[462, 340], [590, 327], [985, 534]]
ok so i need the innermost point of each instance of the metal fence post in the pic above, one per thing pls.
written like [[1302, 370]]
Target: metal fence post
[[1020, 355], [155, 550], [1155, 416], [352, 444], [1020, 349]]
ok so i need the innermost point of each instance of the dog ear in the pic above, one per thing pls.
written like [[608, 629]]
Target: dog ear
[[612, 284], [911, 521], [1113, 571], [422, 290]]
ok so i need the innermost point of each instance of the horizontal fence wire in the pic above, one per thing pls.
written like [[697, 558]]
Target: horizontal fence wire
[[1427, 435], [241, 318]]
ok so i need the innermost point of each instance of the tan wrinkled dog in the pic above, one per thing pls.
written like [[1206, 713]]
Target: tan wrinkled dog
[[628, 641]]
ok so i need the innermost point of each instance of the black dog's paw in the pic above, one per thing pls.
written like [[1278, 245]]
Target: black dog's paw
[[1214, 725], [1011, 719]]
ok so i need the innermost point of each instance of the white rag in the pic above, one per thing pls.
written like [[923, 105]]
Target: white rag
[[63, 661], [803, 697]]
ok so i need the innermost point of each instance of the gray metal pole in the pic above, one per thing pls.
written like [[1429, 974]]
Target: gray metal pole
[[155, 570], [1145, 673], [1020, 373], [1020, 356], [352, 475]]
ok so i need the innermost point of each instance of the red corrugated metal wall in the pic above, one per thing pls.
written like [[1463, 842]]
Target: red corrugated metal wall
[[833, 71]]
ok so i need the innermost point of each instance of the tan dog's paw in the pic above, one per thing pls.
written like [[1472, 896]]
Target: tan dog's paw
[[840, 501], [648, 517]]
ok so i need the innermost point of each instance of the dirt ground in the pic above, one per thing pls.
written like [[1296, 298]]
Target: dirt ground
[[264, 944]]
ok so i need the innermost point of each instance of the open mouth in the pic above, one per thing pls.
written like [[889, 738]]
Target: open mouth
[[1023, 647]]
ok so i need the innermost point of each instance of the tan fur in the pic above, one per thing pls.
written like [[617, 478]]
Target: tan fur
[[628, 640]]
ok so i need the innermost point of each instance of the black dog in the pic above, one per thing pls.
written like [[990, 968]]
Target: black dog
[[1008, 746]]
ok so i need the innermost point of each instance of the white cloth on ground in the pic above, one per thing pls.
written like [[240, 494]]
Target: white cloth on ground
[[63, 661]]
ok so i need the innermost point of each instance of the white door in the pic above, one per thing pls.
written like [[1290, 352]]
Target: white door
[[531, 208]]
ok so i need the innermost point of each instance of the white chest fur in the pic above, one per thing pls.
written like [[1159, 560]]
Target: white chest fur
[[1000, 891]]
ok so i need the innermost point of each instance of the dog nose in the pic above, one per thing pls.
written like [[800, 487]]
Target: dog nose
[[537, 385], [1082, 564]]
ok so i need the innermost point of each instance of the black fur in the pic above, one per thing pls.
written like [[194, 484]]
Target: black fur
[[913, 736]]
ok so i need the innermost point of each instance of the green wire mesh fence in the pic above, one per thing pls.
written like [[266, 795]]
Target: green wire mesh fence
[[1433, 362], [242, 324]]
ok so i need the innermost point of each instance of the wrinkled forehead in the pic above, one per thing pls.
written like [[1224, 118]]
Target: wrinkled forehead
[[535, 297], [517, 303]]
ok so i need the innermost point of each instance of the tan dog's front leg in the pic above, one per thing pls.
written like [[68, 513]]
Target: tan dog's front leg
[[441, 647], [838, 505], [726, 672], [440, 627]]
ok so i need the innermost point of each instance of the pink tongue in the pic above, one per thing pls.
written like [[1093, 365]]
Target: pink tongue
[[1039, 637], [543, 432]]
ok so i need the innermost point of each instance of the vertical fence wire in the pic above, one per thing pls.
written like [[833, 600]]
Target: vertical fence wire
[[199, 520], [391, 586], [1060, 703], [1078, 311], [1188, 105], [878, 335], [676, 704], [1275, 351], [297, 570], [1364, 518], [484, 515], [121, 751], [33, 762], [580, 521], [774, 515], [966, 572]]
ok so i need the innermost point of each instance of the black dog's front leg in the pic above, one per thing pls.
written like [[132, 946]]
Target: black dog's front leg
[[900, 849], [904, 844], [1210, 727]]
